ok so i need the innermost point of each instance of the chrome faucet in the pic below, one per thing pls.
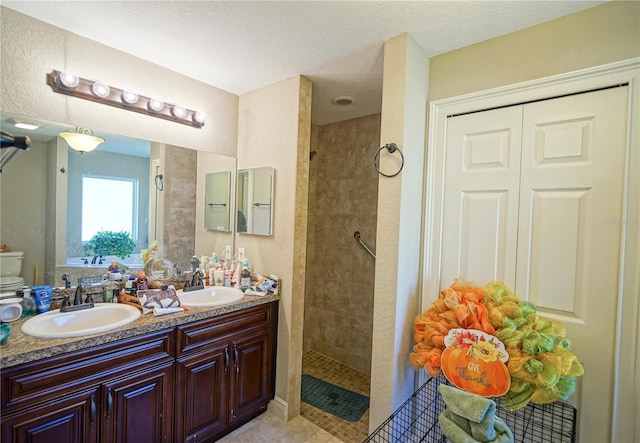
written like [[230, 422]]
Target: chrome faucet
[[96, 257]]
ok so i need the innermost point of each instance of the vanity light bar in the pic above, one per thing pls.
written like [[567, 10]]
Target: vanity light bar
[[70, 84]]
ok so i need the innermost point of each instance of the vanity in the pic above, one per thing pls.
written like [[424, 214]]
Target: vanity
[[187, 377]]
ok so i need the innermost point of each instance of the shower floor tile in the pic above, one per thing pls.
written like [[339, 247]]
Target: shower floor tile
[[334, 372]]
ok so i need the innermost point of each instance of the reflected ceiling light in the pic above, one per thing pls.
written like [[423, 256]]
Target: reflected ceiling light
[[22, 124], [81, 139], [155, 105], [68, 80], [179, 111], [100, 89], [69, 84], [129, 97]]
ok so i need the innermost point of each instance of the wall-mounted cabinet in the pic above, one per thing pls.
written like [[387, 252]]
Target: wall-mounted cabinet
[[217, 201], [255, 201]]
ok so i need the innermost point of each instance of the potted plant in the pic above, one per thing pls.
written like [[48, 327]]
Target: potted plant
[[106, 243]]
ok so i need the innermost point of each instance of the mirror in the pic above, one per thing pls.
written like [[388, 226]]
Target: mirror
[[255, 201], [42, 203], [217, 200]]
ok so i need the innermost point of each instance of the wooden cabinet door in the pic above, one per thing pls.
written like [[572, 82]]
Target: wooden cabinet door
[[73, 419], [250, 375], [201, 394], [139, 408]]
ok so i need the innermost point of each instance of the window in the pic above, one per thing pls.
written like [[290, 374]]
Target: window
[[109, 204]]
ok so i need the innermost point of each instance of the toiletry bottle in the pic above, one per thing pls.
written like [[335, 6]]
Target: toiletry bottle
[[227, 277], [236, 275], [245, 276], [128, 287], [142, 283], [218, 275], [110, 291], [211, 277], [28, 302]]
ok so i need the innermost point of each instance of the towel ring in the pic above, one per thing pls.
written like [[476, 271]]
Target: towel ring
[[391, 148]]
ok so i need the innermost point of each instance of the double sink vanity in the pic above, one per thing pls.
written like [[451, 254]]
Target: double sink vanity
[[191, 376]]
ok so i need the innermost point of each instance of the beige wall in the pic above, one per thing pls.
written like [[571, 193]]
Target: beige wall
[[343, 197], [30, 49], [398, 239], [274, 130], [597, 36], [23, 205]]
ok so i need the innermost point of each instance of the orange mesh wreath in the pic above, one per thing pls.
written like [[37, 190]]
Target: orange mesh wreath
[[459, 306]]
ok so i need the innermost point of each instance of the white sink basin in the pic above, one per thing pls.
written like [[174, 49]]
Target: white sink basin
[[101, 318], [210, 296]]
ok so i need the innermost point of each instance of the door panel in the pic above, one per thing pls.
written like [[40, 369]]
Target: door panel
[[201, 396], [556, 244], [482, 173], [251, 373], [73, 419], [573, 157], [139, 408]]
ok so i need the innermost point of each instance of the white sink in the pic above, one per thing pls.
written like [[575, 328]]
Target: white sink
[[101, 318], [210, 296]]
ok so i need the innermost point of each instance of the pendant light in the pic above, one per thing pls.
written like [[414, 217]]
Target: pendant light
[[81, 140]]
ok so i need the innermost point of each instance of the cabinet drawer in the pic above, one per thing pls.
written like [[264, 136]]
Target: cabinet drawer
[[34, 382], [218, 329]]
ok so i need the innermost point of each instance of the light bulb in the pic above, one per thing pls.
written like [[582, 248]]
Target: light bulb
[[68, 80], [100, 89], [199, 117], [156, 105], [129, 97], [179, 111]]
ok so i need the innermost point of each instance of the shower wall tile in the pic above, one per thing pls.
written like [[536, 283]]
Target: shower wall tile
[[179, 204], [343, 188]]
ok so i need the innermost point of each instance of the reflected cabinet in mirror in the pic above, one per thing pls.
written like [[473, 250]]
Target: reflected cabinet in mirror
[[55, 200], [217, 197], [255, 201]]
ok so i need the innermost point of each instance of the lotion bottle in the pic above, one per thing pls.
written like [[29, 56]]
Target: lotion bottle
[[245, 276]]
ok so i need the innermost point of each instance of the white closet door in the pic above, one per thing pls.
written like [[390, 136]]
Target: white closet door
[[573, 159], [480, 211]]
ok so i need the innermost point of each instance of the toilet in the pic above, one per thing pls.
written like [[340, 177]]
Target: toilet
[[10, 267]]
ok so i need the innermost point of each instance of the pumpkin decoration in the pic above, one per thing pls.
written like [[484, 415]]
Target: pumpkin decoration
[[474, 361]]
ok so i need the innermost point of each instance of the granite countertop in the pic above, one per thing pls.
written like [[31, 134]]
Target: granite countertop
[[21, 348]]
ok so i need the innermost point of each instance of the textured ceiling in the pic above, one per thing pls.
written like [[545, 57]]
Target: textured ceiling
[[240, 46]]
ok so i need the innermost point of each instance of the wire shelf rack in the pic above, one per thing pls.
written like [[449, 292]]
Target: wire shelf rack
[[417, 420]]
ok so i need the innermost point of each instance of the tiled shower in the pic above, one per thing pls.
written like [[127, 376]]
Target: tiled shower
[[343, 190]]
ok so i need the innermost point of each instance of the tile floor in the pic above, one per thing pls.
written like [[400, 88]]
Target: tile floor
[[312, 425], [336, 373]]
